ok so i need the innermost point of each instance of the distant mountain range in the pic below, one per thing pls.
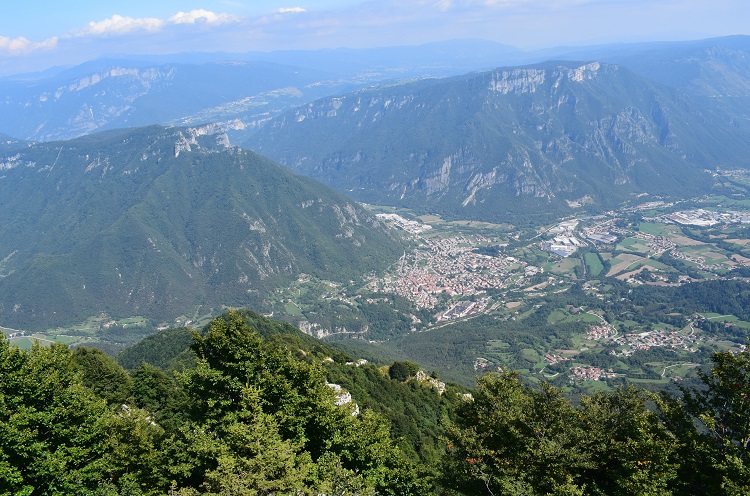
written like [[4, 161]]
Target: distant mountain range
[[111, 94], [243, 91], [717, 67], [510, 144], [153, 221]]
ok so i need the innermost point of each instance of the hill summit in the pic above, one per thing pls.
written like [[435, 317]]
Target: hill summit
[[153, 221]]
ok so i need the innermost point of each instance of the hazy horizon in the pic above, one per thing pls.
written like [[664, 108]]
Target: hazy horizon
[[68, 35]]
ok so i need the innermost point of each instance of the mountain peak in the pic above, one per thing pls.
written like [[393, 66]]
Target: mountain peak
[[209, 138], [152, 221], [529, 79]]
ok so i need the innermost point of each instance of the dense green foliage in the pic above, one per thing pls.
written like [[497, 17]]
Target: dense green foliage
[[249, 418], [400, 371], [255, 414], [165, 350], [413, 409], [101, 374], [715, 455], [154, 221], [514, 439]]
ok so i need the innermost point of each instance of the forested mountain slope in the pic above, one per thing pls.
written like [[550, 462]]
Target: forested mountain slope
[[508, 144], [154, 221]]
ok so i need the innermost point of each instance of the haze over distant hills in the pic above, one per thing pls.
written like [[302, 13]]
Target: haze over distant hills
[[109, 94], [242, 91], [153, 221], [718, 67]]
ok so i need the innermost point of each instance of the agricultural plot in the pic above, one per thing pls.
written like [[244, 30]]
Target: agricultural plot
[[27, 341], [566, 266], [627, 275], [633, 244], [644, 264], [24, 343], [292, 309], [623, 262], [657, 229], [735, 241], [560, 316], [713, 257], [682, 241], [593, 264]]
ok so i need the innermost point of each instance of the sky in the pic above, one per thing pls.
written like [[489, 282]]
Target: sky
[[37, 34]]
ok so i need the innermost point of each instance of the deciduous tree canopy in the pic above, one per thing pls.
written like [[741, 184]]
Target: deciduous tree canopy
[[254, 414]]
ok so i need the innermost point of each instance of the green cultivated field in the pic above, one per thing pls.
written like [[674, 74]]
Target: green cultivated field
[[655, 229], [594, 265]]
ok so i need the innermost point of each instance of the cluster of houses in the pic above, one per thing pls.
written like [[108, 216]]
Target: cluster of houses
[[580, 374], [598, 332], [658, 244], [449, 266], [652, 339], [554, 358]]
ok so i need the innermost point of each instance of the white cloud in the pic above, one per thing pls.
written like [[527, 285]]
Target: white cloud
[[201, 15], [292, 10], [118, 24], [21, 45]]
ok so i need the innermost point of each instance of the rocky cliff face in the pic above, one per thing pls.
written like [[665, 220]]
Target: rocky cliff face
[[192, 138], [509, 139], [522, 80], [89, 102]]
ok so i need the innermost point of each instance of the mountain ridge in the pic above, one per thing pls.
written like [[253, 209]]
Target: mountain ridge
[[547, 135], [154, 221], [243, 90]]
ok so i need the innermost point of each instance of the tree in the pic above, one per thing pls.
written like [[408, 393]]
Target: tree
[[260, 419], [717, 450], [102, 374], [514, 440], [400, 371], [631, 452], [59, 436], [158, 393], [53, 430]]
